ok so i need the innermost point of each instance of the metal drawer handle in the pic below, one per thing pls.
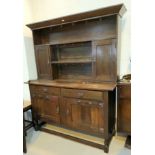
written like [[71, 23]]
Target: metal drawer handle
[[67, 112], [45, 89], [80, 94], [101, 129], [90, 103], [47, 98], [78, 101], [101, 104], [57, 109]]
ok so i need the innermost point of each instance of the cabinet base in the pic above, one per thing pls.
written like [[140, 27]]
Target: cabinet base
[[97, 142]]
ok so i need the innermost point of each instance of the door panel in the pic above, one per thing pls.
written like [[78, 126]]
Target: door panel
[[83, 115], [100, 118], [37, 105], [51, 108], [94, 118], [105, 66], [42, 53], [75, 115], [65, 108]]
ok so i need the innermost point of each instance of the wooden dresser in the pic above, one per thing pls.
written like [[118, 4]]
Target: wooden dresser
[[76, 58], [124, 109]]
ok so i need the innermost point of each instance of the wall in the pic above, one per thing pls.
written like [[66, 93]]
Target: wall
[[29, 68], [37, 10]]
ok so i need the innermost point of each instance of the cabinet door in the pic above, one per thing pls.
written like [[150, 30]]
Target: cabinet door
[[104, 52], [65, 110], [50, 109], [124, 108], [37, 105], [91, 116], [83, 115], [124, 115], [42, 53]]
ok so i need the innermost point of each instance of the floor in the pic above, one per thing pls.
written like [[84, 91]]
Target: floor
[[41, 143]]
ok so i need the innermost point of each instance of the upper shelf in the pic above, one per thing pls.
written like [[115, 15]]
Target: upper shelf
[[107, 11], [73, 61]]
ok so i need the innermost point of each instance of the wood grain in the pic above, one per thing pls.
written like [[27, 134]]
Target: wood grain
[[87, 86], [111, 10]]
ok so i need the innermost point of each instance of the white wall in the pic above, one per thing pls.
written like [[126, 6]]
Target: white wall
[[37, 10], [29, 71]]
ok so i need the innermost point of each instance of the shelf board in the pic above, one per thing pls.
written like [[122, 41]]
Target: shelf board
[[72, 61]]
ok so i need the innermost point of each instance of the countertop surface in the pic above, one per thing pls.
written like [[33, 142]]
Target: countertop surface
[[76, 85]]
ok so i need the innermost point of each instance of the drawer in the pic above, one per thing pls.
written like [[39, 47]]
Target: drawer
[[83, 94], [124, 91], [44, 90], [84, 102]]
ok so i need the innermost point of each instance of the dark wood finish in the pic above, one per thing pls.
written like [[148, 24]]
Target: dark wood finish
[[124, 111], [100, 146], [42, 60], [27, 124], [83, 94], [45, 102], [77, 73], [78, 109], [115, 9], [37, 105], [84, 31], [128, 142], [41, 36], [45, 89], [83, 115], [75, 85], [51, 108], [124, 107], [105, 60], [24, 138]]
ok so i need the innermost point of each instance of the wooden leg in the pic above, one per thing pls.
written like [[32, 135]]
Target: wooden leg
[[36, 125], [35, 121], [24, 138], [128, 142], [106, 148], [24, 144], [108, 140]]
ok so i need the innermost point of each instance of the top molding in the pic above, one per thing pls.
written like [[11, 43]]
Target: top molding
[[107, 11]]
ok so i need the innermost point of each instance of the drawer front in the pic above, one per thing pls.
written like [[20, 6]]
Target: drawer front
[[124, 91], [83, 94], [44, 90]]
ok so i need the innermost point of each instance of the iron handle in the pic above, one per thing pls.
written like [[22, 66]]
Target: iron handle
[[90, 103], [47, 97], [101, 130], [67, 112], [101, 104], [57, 109], [80, 94], [78, 101], [45, 89]]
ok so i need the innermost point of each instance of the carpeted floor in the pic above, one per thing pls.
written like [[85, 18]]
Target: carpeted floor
[[41, 143]]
